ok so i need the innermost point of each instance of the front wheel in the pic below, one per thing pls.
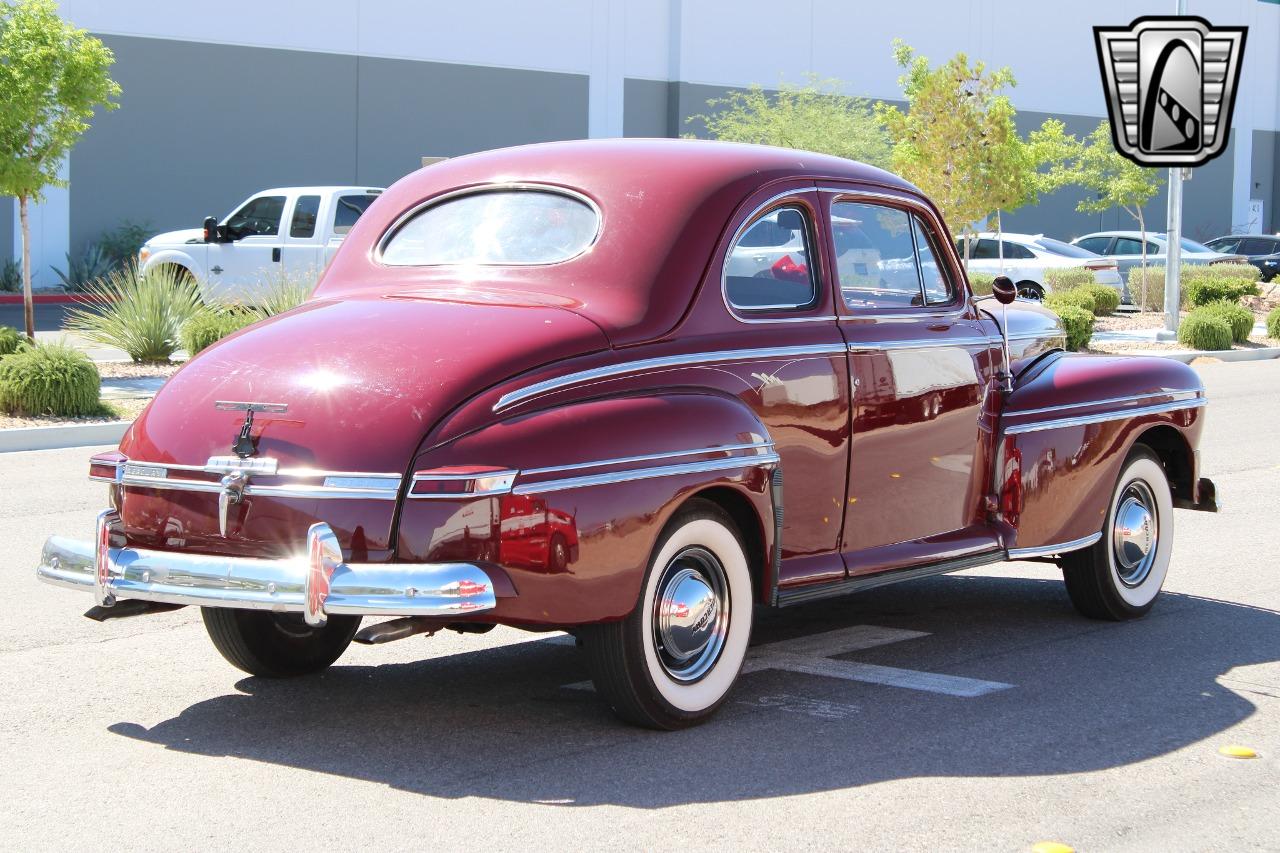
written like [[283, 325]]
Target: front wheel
[[671, 663], [277, 645], [1120, 576], [1030, 291]]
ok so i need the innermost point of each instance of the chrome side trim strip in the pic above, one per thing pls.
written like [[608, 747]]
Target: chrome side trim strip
[[610, 371], [1102, 417], [1135, 398], [922, 343], [292, 490], [1049, 550], [646, 474], [651, 457], [283, 472]]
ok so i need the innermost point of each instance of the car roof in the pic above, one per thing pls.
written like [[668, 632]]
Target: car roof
[[318, 190], [665, 203], [1136, 235], [1011, 236]]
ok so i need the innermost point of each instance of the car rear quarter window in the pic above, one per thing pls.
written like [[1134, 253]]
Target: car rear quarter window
[[496, 228], [303, 222], [770, 265], [1256, 246], [348, 209], [1097, 245], [1130, 246]]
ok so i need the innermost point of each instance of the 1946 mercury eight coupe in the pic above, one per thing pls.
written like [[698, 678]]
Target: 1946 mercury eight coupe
[[631, 389]]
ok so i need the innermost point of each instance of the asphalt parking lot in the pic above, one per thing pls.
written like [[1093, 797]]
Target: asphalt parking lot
[[973, 711]]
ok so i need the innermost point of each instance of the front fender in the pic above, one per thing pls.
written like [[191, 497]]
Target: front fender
[[595, 482], [175, 257], [1068, 427]]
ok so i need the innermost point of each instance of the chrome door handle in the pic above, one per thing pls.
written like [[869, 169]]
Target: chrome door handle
[[216, 270]]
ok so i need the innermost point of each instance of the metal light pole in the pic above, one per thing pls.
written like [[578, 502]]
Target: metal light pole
[[1173, 238]]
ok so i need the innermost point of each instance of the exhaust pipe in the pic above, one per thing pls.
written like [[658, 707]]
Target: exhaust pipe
[[408, 626]]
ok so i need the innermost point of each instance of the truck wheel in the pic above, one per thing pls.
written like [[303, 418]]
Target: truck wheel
[[1120, 575], [277, 645], [671, 663]]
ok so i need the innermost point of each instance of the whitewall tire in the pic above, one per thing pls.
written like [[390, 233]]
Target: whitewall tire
[[673, 661], [1120, 575]]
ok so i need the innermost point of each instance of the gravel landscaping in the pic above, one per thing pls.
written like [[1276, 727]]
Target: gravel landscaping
[[122, 410], [132, 370]]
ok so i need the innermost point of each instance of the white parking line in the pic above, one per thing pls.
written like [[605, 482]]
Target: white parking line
[[815, 655]]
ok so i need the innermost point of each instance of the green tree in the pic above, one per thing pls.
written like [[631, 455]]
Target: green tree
[[1112, 180], [957, 140], [813, 117], [52, 78]]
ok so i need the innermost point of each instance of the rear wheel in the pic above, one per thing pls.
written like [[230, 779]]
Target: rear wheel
[[672, 662], [1120, 576], [277, 645]]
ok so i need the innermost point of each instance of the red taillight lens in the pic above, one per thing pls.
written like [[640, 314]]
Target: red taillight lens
[[103, 466], [462, 480]]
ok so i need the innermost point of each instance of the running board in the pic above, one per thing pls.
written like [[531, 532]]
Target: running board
[[848, 586]]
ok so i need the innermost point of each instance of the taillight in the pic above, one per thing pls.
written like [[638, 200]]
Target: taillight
[[461, 481], [1102, 265], [106, 466]]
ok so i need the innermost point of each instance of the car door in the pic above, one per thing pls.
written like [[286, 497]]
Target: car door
[[920, 367], [303, 253], [250, 261]]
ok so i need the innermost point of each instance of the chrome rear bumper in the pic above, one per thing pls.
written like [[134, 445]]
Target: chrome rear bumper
[[317, 584]]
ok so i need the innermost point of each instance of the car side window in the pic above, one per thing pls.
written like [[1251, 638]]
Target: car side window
[[876, 259], [983, 250], [348, 209], [1012, 251], [1254, 246], [1097, 245], [770, 266], [260, 217], [303, 222], [937, 286], [1129, 246], [1226, 245]]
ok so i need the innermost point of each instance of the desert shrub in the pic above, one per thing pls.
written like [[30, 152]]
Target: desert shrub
[[49, 379], [142, 314], [1078, 298], [84, 269], [1147, 290], [121, 244], [281, 292], [9, 339], [1207, 290], [209, 327], [981, 283], [1245, 272], [10, 276], [1273, 324], [1062, 279], [1105, 299], [1204, 330], [1239, 318], [1079, 325]]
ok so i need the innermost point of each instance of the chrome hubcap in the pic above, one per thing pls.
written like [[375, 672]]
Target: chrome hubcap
[[690, 614], [1135, 534]]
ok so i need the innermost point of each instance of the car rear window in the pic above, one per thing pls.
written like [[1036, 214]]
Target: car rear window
[[495, 227], [1067, 250]]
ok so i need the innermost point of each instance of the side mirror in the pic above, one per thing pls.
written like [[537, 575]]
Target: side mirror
[[1004, 290], [211, 229]]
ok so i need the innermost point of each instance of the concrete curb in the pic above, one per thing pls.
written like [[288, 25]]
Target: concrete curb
[[54, 437], [1188, 356]]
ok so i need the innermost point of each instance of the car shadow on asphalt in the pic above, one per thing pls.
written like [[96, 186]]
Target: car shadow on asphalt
[[500, 723]]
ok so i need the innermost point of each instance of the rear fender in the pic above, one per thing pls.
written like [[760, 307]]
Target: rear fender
[[582, 494]]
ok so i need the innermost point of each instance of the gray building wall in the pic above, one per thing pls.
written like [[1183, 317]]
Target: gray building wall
[[1266, 180], [202, 126], [1207, 198]]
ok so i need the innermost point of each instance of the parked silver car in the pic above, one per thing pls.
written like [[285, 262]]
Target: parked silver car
[[1262, 250], [1126, 248]]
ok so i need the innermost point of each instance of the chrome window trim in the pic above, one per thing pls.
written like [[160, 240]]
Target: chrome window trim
[[1110, 401], [1102, 417], [956, 310], [649, 457], [514, 186], [1049, 550], [814, 277], [647, 473], [611, 371]]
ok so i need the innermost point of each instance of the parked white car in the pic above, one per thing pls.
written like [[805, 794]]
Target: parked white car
[[278, 232], [1028, 256]]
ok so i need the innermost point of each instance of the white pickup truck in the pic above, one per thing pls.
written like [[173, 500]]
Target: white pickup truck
[[290, 231]]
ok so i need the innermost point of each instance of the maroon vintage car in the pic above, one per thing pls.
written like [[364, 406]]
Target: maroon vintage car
[[632, 390]]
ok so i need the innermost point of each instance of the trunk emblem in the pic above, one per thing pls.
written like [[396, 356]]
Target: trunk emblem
[[245, 444]]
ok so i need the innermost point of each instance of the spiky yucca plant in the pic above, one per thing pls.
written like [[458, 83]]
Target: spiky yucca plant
[[140, 313], [281, 292]]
